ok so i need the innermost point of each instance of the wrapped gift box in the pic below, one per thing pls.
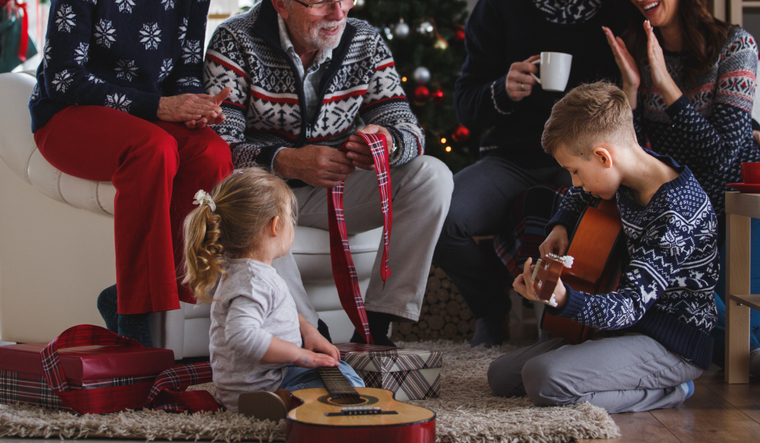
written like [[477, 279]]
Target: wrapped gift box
[[108, 378], [411, 374]]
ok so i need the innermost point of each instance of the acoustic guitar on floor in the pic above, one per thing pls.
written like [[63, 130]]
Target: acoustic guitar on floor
[[592, 264], [341, 413]]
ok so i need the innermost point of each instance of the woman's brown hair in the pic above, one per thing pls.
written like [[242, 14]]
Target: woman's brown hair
[[703, 37]]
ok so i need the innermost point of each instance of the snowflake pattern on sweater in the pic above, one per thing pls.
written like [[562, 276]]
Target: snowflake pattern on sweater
[[265, 110], [113, 54], [709, 128], [666, 289]]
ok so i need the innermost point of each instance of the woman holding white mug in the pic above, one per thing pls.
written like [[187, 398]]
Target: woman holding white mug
[[690, 79]]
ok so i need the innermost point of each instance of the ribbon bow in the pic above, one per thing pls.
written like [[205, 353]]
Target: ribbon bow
[[203, 198]]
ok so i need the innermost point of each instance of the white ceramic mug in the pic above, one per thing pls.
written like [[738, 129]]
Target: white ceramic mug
[[554, 70]]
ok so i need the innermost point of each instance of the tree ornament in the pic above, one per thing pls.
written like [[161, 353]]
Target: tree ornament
[[387, 33], [401, 30], [421, 95], [421, 75], [438, 97], [458, 36], [426, 28], [460, 134]]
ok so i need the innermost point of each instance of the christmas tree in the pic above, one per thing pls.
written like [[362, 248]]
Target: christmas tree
[[426, 38]]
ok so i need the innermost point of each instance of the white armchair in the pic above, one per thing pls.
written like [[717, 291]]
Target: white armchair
[[57, 252]]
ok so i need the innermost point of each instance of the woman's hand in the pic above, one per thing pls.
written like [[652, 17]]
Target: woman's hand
[[196, 110], [519, 81], [627, 65], [660, 76], [556, 242]]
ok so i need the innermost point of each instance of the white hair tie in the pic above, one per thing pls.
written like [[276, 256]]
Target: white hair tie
[[203, 198]]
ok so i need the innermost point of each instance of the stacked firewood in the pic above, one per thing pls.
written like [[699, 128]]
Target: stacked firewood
[[444, 314]]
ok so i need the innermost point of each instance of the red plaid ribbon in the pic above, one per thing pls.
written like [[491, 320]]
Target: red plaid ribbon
[[344, 271], [168, 392]]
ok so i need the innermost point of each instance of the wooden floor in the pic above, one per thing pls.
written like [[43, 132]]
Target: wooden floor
[[717, 412]]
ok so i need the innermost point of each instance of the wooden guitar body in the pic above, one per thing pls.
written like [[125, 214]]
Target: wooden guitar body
[[598, 247], [318, 418]]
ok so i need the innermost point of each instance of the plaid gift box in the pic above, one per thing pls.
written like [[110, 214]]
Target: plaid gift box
[[411, 374], [87, 369]]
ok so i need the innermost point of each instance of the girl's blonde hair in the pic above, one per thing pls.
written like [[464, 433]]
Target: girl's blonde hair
[[246, 202]]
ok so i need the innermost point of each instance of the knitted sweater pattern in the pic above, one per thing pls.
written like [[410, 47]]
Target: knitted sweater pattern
[[666, 289], [120, 55], [710, 127], [266, 109]]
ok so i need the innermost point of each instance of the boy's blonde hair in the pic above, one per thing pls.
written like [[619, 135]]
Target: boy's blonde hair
[[589, 114], [246, 202]]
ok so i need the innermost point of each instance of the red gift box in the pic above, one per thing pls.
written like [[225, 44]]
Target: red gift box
[[87, 369]]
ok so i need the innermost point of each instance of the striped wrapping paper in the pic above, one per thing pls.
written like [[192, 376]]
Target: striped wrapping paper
[[411, 374]]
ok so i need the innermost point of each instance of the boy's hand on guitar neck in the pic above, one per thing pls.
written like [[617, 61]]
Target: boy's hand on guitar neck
[[523, 285]]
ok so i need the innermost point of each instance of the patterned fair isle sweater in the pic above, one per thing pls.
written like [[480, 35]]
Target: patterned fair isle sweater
[[119, 54], [709, 129], [666, 290], [266, 110]]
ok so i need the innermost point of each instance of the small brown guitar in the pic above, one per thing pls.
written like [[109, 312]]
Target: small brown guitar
[[595, 254], [342, 413]]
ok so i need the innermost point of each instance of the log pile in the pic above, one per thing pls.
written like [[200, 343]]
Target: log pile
[[444, 314]]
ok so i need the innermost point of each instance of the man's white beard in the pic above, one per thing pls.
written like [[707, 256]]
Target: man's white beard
[[324, 43]]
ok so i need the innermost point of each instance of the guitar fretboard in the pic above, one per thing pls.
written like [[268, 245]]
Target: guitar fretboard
[[336, 384]]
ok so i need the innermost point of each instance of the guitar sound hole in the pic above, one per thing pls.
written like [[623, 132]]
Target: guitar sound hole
[[347, 400]]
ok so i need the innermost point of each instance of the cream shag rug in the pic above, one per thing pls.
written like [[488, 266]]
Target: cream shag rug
[[466, 412]]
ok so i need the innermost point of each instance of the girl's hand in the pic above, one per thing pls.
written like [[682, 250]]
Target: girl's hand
[[660, 76], [627, 65], [556, 242], [519, 81], [311, 360]]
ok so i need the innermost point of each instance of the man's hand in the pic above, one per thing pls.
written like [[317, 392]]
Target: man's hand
[[519, 81], [316, 165], [358, 149], [314, 341]]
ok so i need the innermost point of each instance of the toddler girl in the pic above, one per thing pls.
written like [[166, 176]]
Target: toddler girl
[[256, 334]]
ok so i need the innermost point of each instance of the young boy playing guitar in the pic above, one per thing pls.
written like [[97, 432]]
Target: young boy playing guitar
[[656, 325]]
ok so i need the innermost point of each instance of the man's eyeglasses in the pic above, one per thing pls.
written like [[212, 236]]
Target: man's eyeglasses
[[324, 8]]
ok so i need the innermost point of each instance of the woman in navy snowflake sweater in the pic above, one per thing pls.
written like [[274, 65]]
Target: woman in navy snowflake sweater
[[691, 81], [119, 98]]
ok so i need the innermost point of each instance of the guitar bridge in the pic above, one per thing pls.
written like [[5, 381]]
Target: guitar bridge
[[360, 410]]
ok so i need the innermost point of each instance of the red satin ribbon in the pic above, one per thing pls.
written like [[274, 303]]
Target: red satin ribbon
[[24, 44], [344, 271]]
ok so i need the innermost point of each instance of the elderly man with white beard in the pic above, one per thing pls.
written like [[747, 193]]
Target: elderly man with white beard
[[305, 81]]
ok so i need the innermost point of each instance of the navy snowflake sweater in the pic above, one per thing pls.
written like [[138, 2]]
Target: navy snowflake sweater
[[119, 54], [709, 128], [666, 290]]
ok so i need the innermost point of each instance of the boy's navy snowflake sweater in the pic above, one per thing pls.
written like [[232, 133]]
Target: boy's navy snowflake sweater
[[119, 54], [666, 290], [709, 128]]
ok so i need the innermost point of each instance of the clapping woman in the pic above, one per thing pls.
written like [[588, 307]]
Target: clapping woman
[[690, 79]]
